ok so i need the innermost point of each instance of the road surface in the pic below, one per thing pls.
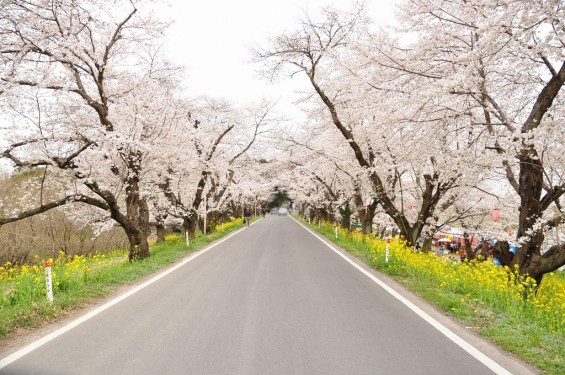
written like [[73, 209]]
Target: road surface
[[272, 299]]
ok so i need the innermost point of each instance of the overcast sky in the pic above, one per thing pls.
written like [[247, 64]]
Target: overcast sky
[[212, 38]]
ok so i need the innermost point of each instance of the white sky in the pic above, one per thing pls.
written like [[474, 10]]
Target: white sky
[[211, 38]]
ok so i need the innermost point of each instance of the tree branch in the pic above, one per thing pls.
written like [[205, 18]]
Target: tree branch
[[54, 204]]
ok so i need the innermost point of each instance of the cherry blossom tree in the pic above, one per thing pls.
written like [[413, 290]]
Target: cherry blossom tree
[[87, 95], [506, 60], [382, 116], [199, 182]]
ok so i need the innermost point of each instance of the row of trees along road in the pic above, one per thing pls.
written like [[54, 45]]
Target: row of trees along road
[[456, 111], [462, 93], [86, 96]]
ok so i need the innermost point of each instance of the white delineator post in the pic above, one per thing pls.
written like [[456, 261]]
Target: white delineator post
[[387, 250], [187, 237], [48, 282], [205, 212], [336, 231]]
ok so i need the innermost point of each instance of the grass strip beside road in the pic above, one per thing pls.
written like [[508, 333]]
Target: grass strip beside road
[[481, 295], [79, 280]]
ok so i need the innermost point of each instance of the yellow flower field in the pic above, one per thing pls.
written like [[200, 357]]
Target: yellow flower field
[[495, 286]]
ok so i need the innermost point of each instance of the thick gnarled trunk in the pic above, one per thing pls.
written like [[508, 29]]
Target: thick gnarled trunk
[[139, 247], [137, 214], [531, 186], [528, 256]]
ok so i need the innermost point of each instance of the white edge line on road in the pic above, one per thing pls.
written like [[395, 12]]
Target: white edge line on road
[[45, 339], [476, 353]]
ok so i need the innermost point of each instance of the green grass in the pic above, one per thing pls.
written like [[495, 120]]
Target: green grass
[[78, 282], [507, 326]]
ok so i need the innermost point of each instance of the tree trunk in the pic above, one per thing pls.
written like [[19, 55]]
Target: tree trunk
[[367, 224], [427, 246], [138, 246], [530, 187], [210, 223], [143, 218], [383, 232], [366, 213], [366, 216], [312, 215], [214, 219], [501, 251], [316, 218], [137, 227], [323, 214], [530, 190], [190, 223], [412, 234], [345, 213], [160, 228]]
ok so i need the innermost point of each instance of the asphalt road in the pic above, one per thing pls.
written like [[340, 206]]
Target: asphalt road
[[272, 299]]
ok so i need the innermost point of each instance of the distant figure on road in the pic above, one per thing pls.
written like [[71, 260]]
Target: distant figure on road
[[247, 217]]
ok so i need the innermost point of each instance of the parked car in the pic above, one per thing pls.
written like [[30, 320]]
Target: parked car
[[283, 211]]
